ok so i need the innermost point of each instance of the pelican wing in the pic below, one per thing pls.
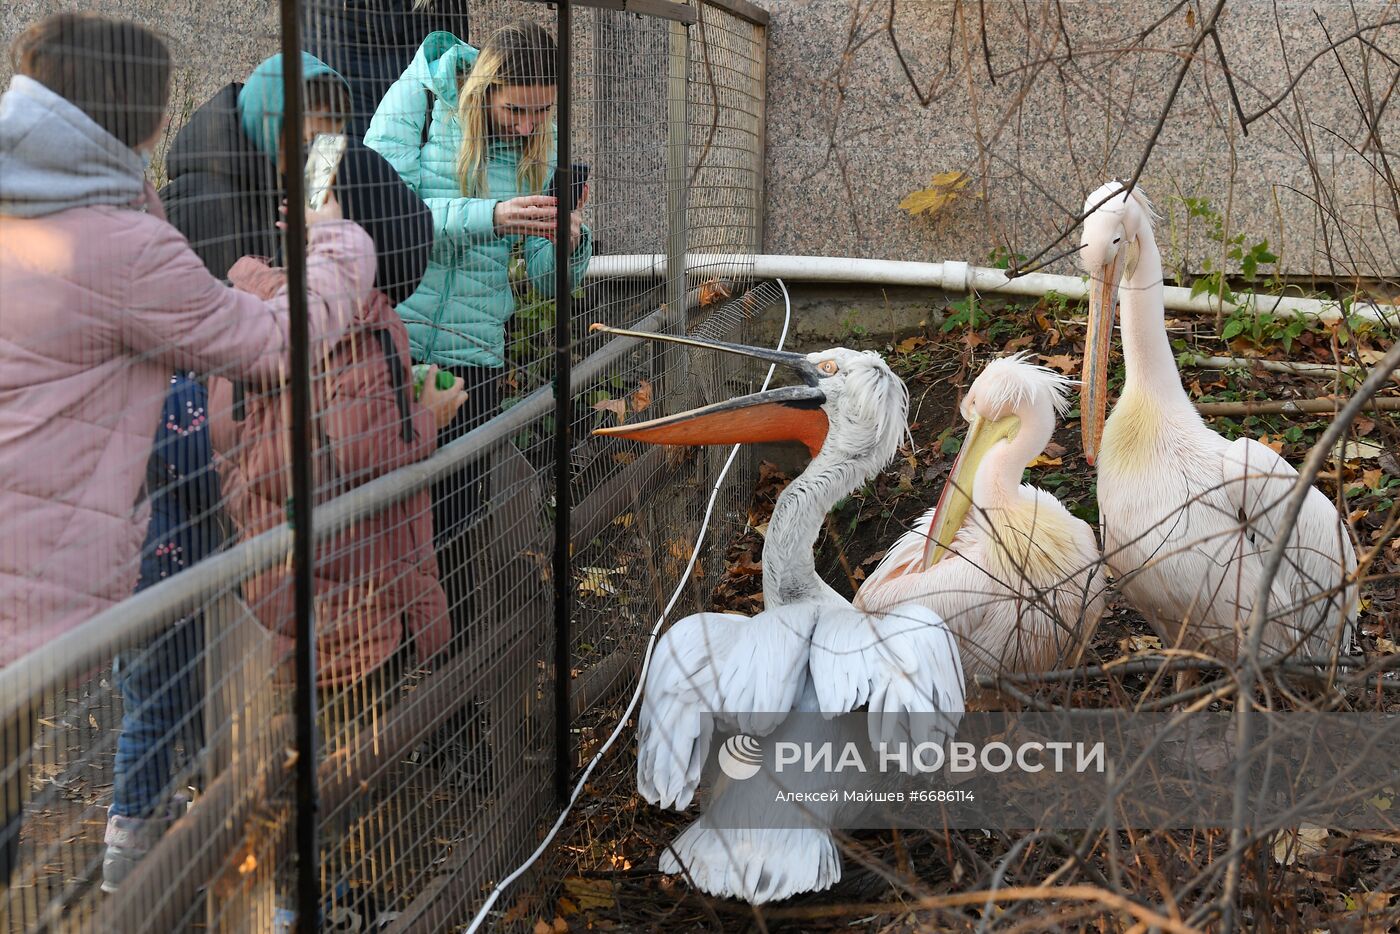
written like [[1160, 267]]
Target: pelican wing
[[1022, 598], [1316, 582], [744, 673], [902, 665], [904, 560]]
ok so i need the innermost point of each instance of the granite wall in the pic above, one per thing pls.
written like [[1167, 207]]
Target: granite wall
[[1076, 95], [1060, 96]]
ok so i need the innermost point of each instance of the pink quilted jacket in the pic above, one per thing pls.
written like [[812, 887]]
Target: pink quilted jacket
[[376, 582], [98, 304]]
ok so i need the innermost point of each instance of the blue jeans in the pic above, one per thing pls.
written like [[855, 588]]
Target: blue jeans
[[162, 696]]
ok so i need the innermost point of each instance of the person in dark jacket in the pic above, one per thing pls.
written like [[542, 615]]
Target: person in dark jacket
[[371, 42], [226, 164], [161, 683]]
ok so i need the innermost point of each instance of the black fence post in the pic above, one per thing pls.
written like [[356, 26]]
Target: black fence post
[[563, 407], [304, 695]]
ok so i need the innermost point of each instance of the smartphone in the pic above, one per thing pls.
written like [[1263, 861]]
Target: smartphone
[[580, 179], [322, 161]]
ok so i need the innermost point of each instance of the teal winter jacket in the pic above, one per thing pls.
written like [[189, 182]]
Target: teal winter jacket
[[458, 315]]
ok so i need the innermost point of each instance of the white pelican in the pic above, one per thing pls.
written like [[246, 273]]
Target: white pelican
[[1187, 516], [1007, 566], [810, 650]]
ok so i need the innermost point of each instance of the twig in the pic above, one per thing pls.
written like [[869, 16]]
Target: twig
[[1292, 407], [1273, 366], [1248, 667], [986, 48], [1153, 664], [1076, 893], [1034, 263], [1229, 81], [1312, 61]]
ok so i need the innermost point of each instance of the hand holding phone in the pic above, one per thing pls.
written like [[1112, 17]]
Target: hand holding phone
[[322, 162], [580, 172]]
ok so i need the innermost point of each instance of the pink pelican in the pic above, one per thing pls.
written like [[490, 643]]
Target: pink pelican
[[1187, 516], [1006, 565]]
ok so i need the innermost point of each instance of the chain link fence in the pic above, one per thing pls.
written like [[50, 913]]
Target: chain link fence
[[151, 729]]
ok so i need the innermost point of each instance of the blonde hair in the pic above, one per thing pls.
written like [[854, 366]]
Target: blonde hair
[[519, 54]]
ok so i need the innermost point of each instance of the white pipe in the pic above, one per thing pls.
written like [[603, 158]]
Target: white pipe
[[955, 276]]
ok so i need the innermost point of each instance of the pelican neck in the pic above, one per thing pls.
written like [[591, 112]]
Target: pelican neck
[[1147, 353], [998, 479], [789, 560]]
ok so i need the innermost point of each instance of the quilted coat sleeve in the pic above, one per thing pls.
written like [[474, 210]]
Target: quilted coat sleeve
[[539, 261], [179, 314], [396, 133]]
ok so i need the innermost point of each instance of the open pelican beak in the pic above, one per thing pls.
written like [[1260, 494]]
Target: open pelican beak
[[793, 361], [956, 499], [792, 413], [1103, 306]]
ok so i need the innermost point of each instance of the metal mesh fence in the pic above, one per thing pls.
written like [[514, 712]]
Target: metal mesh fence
[[151, 753]]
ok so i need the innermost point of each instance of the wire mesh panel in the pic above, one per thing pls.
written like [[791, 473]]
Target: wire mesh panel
[[152, 439]]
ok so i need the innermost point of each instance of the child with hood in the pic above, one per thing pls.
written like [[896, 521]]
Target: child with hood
[[103, 300]]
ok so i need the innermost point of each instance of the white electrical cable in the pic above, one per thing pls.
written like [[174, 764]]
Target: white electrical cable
[[646, 657]]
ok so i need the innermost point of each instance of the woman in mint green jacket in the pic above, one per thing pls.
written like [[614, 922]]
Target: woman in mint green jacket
[[472, 133]]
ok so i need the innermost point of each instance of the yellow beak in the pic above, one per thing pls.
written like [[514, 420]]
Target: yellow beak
[[956, 499], [1103, 306]]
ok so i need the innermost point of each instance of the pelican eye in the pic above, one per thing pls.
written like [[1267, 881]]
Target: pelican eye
[[828, 367]]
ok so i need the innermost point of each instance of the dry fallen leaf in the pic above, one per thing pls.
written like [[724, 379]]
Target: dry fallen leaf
[[1372, 478], [1292, 845], [911, 344], [1018, 343], [1042, 461], [1370, 355], [641, 396], [716, 290], [590, 894], [1275, 444], [1386, 646], [943, 189], [1140, 644], [1065, 363], [596, 581], [616, 406], [1357, 450]]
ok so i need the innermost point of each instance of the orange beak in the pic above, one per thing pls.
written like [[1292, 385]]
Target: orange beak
[[1103, 306], [792, 413]]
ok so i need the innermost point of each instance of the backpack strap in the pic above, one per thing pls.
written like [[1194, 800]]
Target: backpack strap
[[395, 362]]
